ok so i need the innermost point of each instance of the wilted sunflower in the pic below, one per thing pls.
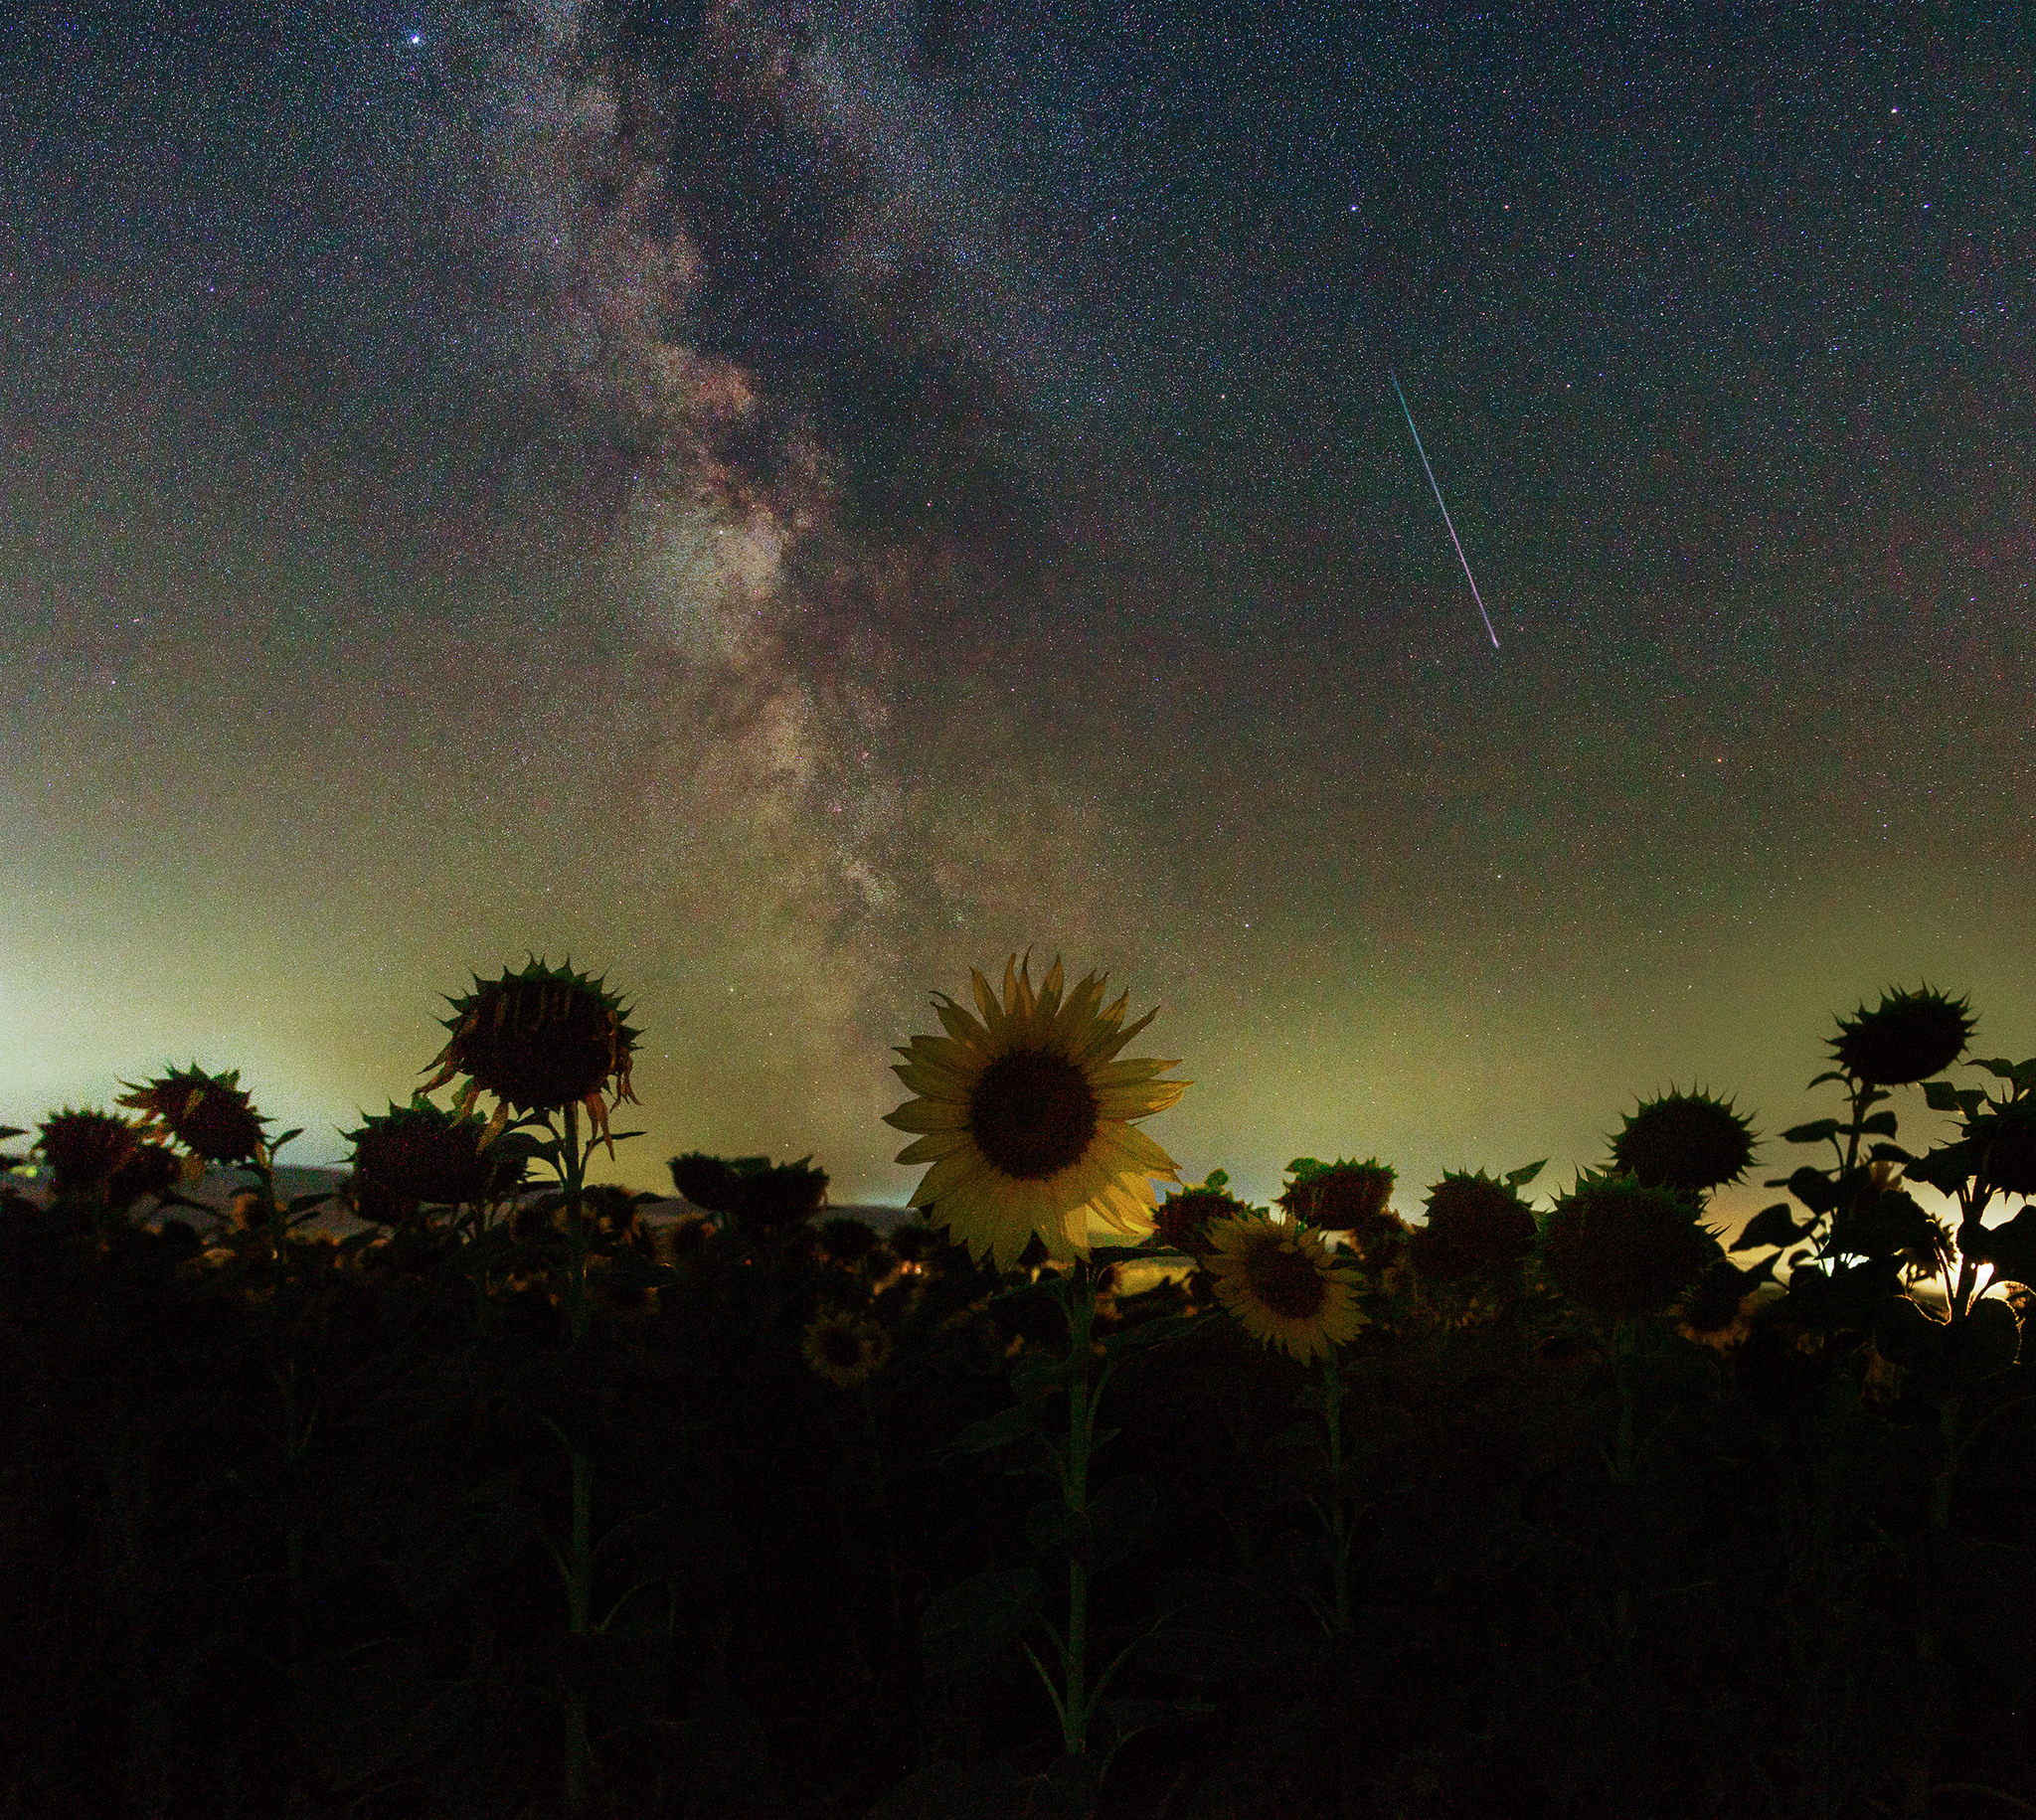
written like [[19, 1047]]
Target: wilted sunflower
[[1908, 1037], [421, 1153], [1689, 1142], [1181, 1221], [85, 1148], [1279, 1283], [207, 1114], [540, 1041], [846, 1349], [1025, 1116]]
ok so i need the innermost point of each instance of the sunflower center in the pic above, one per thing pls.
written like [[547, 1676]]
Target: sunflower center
[[1285, 1279], [841, 1346], [1033, 1113]]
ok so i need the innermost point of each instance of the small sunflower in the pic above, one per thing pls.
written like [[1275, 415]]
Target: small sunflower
[[1280, 1284], [847, 1349], [85, 1148], [540, 1041], [208, 1115], [1908, 1037], [1025, 1115]]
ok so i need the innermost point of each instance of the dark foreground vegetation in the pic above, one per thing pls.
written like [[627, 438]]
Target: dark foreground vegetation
[[511, 1506]]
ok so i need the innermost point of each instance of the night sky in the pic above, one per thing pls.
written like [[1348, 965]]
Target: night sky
[[783, 503]]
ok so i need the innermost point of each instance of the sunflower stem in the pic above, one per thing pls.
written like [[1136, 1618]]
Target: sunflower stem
[[1339, 1526], [1073, 1706]]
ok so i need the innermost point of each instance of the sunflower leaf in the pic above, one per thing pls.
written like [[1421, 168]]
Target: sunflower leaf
[[965, 1626], [1812, 1133], [998, 1431], [1771, 1225]]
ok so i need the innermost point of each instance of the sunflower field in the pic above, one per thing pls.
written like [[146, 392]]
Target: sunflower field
[[1082, 1491]]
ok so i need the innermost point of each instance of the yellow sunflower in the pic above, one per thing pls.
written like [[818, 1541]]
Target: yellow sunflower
[[1025, 1115], [846, 1349], [1279, 1283]]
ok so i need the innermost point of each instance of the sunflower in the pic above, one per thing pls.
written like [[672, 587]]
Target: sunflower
[[421, 1153], [1908, 1037], [1619, 1247], [208, 1115], [540, 1041], [85, 1148], [1182, 1221], [1026, 1118], [1689, 1142], [846, 1349], [1279, 1283]]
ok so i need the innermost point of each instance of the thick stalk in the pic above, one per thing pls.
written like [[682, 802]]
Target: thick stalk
[[580, 1560], [1074, 1489], [1339, 1515]]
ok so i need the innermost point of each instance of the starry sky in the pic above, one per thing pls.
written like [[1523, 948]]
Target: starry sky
[[781, 503]]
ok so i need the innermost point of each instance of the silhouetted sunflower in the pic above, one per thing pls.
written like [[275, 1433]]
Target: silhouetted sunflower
[[540, 1041], [1689, 1142], [85, 1148], [1619, 1247], [1908, 1037], [847, 1349], [1280, 1284], [1473, 1223], [1025, 1115], [207, 1114], [421, 1153], [1181, 1221]]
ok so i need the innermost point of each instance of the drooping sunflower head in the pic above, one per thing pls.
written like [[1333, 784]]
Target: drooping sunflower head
[[422, 1154], [1473, 1223], [207, 1114], [540, 1041], [1282, 1286], [847, 1349], [85, 1148], [1619, 1247], [1181, 1222], [1689, 1142], [1025, 1114], [1908, 1037]]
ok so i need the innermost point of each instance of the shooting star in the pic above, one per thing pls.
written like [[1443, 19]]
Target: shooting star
[[1454, 538]]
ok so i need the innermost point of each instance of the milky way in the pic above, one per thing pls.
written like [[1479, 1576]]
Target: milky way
[[784, 503]]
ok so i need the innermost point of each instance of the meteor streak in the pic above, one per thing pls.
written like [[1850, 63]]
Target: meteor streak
[[1454, 538]]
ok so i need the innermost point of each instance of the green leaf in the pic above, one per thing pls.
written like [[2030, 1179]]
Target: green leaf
[[1814, 1188], [968, 1623], [1771, 1225], [999, 1431], [1878, 1124], [1154, 1333], [1940, 1097], [1119, 1517], [1036, 1371], [1999, 1067], [2010, 1247], [1949, 1167], [956, 1792], [1519, 1178], [1815, 1132]]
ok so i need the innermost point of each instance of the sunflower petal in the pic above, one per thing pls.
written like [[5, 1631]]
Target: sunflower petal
[[934, 1146], [928, 1116], [933, 1083]]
